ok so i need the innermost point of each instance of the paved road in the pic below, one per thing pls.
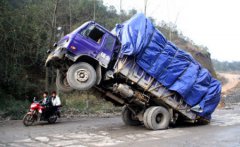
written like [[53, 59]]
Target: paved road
[[223, 131]]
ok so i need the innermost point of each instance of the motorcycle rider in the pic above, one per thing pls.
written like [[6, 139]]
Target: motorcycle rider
[[56, 103], [46, 101]]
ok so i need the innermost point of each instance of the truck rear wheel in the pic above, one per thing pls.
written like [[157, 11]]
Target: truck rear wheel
[[202, 121], [62, 83], [81, 76], [145, 117], [156, 118], [129, 118]]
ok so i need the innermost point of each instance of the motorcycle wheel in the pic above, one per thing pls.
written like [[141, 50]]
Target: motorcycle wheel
[[28, 120], [52, 119]]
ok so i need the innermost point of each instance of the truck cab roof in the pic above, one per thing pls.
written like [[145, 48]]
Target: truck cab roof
[[86, 24]]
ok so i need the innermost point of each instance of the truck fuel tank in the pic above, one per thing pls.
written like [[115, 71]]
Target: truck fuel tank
[[123, 89]]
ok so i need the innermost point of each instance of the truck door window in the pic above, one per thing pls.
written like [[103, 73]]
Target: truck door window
[[109, 42], [94, 33]]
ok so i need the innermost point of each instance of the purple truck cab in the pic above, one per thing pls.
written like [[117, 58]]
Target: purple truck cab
[[90, 40], [81, 55]]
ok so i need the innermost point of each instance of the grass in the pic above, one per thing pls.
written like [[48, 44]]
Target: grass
[[87, 102]]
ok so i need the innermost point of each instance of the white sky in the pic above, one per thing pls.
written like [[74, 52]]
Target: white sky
[[212, 23]]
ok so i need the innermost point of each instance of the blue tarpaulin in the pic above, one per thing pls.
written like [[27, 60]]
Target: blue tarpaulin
[[174, 68]]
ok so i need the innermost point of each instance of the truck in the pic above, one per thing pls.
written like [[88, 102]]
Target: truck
[[136, 67]]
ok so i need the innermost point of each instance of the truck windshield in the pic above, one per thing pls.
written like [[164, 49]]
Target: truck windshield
[[93, 32]]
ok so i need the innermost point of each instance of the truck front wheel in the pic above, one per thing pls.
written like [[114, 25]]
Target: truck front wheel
[[81, 76]]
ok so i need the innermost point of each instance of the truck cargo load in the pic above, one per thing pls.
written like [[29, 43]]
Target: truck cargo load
[[171, 66]]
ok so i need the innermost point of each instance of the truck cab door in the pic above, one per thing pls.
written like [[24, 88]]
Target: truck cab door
[[87, 41], [107, 48]]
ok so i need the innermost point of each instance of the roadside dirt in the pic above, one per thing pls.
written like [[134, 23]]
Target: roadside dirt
[[232, 81]]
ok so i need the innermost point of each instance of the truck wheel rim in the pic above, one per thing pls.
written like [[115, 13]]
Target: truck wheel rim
[[81, 75], [159, 118]]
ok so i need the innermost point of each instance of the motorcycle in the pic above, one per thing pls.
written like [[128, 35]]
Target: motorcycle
[[37, 113]]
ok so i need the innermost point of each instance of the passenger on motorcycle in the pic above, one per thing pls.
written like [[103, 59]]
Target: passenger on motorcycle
[[56, 102], [55, 99]]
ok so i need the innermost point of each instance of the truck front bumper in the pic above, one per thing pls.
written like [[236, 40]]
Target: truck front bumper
[[55, 57]]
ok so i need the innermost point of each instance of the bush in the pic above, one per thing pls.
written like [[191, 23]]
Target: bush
[[11, 108]]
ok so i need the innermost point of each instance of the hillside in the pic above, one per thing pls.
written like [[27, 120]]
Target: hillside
[[200, 53]]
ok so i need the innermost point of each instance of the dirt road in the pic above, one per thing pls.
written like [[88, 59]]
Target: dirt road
[[223, 131], [232, 81]]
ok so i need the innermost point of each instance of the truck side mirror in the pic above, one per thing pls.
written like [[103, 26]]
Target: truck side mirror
[[48, 51], [55, 44]]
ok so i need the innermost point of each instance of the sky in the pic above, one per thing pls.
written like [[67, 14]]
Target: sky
[[211, 23]]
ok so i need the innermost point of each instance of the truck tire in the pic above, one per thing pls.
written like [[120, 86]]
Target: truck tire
[[62, 83], [157, 118], [81, 76], [180, 120], [145, 114], [202, 121], [128, 118]]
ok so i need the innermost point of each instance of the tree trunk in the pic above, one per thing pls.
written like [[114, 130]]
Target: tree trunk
[[52, 38]]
